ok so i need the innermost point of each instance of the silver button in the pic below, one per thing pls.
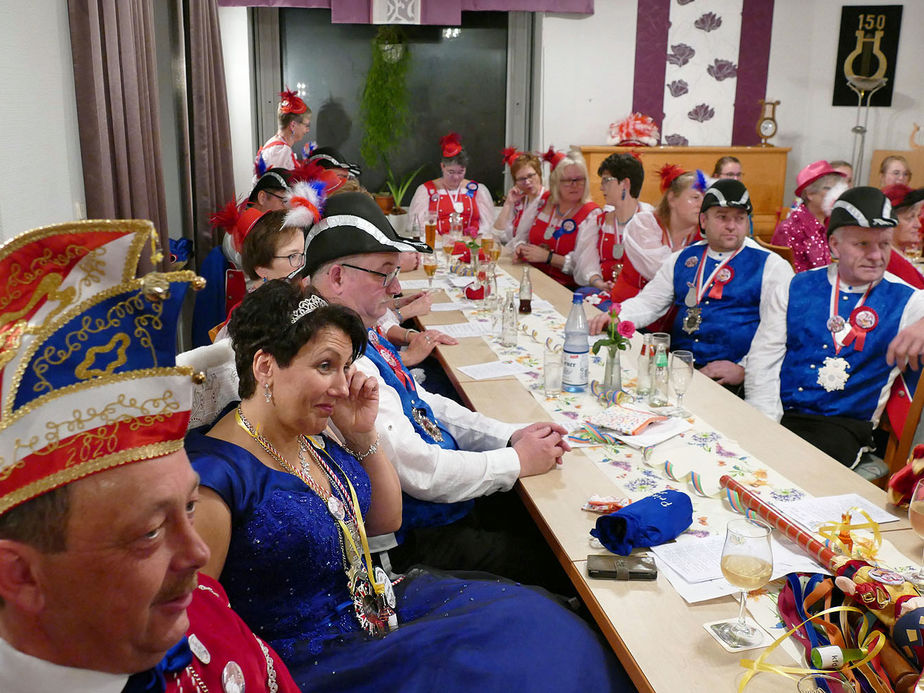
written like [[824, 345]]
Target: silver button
[[800, 389]]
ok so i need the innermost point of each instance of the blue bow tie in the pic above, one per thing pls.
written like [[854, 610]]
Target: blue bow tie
[[154, 680]]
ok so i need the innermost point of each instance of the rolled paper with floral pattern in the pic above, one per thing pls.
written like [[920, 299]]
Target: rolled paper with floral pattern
[[772, 516]]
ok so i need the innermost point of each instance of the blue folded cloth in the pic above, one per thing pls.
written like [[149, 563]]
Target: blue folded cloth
[[653, 520]]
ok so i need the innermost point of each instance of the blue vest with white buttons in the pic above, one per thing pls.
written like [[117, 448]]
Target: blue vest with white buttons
[[418, 513], [729, 323], [808, 343]]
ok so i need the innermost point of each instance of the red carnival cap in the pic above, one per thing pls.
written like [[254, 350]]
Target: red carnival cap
[[812, 172], [510, 155], [291, 102], [901, 195], [236, 218], [450, 145], [554, 158], [669, 173]]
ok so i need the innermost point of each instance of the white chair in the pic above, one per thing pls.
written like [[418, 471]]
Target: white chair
[[216, 362]]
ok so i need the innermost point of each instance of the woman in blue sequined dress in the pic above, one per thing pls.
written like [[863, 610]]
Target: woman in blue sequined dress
[[292, 559]]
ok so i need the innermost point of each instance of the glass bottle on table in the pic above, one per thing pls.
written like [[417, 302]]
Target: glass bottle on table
[[509, 319], [526, 292], [658, 338], [643, 373], [575, 355], [747, 563], [681, 375], [657, 396]]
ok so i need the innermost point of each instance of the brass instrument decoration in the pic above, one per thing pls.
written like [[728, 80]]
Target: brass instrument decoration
[[866, 54]]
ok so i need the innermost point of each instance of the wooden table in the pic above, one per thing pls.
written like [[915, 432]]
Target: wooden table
[[658, 637]]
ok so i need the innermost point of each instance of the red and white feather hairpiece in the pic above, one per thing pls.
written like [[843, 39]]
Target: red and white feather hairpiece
[[668, 174], [306, 203]]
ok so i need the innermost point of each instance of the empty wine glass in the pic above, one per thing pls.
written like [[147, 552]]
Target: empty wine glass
[[681, 374], [747, 562], [830, 682]]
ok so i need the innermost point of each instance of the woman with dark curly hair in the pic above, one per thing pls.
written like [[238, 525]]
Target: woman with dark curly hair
[[286, 509]]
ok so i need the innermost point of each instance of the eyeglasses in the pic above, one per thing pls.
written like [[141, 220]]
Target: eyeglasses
[[272, 194], [524, 179], [736, 176], [386, 278], [573, 181], [296, 260], [606, 180], [454, 171]]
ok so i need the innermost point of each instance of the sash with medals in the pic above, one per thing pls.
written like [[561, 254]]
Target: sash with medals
[[714, 284], [444, 203], [833, 373]]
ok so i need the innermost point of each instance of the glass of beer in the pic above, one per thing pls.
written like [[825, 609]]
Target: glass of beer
[[430, 261], [747, 562], [430, 230]]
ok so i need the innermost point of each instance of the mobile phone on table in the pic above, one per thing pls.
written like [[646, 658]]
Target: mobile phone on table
[[636, 567]]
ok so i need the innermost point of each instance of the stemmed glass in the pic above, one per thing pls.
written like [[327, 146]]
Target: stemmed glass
[[747, 562], [830, 682], [681, 373], [430, 263], [916, 516]]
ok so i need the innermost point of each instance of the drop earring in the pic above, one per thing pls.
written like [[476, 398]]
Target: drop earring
[[267, 394], [624, 193]]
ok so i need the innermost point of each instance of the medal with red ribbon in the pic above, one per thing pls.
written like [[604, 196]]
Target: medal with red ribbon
[[392, 361], [718, 278], [863, 320]]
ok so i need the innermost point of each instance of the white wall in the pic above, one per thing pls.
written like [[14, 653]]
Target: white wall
[[587, 67], [41, 180], [235, 40], [803, 52]]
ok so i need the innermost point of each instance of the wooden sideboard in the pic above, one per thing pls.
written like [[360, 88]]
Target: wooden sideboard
[[764, 174]]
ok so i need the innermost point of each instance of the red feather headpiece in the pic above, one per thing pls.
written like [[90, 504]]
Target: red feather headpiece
[[237, 219], [554, 158], [669, 173], [450, 145], [310, 171], [291, 102], [510, 155]]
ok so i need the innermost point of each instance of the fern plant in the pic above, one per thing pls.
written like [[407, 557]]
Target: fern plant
[[384, 106]]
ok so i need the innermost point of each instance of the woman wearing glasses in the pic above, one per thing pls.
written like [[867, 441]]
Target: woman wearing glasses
[[524, 198], [452, 193], [272, 250], [566, 225]]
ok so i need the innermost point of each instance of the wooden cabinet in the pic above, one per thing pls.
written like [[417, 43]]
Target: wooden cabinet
[[764, 174]]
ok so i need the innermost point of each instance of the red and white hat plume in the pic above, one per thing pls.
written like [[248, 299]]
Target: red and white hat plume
[[510, 155], [305, 201], [635, 129], [554, 158]]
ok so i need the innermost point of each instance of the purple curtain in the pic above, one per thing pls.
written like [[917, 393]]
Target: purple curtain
[[115, 77], [432, 11], [209, 124]]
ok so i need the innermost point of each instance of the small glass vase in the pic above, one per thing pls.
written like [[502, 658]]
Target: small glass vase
[[612, 371]]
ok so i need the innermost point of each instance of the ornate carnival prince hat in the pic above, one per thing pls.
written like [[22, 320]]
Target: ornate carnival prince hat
[[88, 379]]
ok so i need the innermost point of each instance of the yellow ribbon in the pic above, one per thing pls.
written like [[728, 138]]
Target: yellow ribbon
[[862, 548], [873, 643]]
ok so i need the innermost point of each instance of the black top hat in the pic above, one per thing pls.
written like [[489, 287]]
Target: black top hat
[[727, 192], [865, 207], [353, 224], [328, 157], [273, 179]]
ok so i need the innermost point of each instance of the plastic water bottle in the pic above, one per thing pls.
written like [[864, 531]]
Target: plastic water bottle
[[575, 355], [509, 320], [658, 395], [643, 379]]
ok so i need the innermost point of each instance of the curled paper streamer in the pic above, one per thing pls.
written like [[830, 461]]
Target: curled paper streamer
[[605, 396], [734, 500], [704, 484], [863, 548], [552, 346], [588, 433]]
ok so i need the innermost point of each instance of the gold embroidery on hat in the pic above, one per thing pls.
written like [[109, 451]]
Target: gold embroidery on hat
[[119, 342]]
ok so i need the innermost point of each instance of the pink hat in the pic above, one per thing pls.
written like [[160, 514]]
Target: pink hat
[[812, 172]]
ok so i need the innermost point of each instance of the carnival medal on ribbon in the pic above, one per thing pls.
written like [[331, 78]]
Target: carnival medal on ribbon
[[567, 226], [722, 277], [863, 319], [693, 317]]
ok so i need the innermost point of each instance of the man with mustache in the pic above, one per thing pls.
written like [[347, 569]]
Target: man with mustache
[[821, 359], [98, 554]]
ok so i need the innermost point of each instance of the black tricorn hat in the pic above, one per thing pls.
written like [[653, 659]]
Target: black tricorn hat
[[328, 157], [273, 179], [727, 192], [353, 224], [866, 207]]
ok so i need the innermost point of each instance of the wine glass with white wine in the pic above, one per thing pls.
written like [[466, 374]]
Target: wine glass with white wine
[[747, 562], [430, 261], [681, 374]]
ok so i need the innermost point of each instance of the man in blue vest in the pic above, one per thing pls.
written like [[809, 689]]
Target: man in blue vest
[[819, 363], [446, 456], [718, 287]]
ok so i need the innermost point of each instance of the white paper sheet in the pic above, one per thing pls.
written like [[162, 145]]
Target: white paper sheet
[[415, 284], [492, 369], [657, 433], [459, 282], [463, 329], [450, 305], [812, 512]]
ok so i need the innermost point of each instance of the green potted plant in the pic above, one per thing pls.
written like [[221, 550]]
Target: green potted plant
[[398, 187], [384, 105]]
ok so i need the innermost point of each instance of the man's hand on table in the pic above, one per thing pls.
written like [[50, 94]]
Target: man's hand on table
[[724, 372], [421, 344], [539, 447], [598, 323], [907, 347]]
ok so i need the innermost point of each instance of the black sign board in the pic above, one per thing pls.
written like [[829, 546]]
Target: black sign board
[[867, 48]]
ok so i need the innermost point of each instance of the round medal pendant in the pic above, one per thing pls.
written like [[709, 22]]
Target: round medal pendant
[[232, 678], [382, 578], [836, 324], [458, 207], [618, 250], [335, 507], [199, 650]]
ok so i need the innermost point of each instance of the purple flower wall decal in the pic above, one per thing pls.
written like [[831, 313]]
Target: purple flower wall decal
[[680, 54], [676, 141], [722, 69], [708, 22], [701, 113], [678, 87]]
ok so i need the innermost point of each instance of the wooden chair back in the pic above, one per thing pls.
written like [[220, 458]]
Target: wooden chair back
[[783, 251], [899, 447]]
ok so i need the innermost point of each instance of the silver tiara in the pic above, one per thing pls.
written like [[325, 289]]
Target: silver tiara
[[305, 306]]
